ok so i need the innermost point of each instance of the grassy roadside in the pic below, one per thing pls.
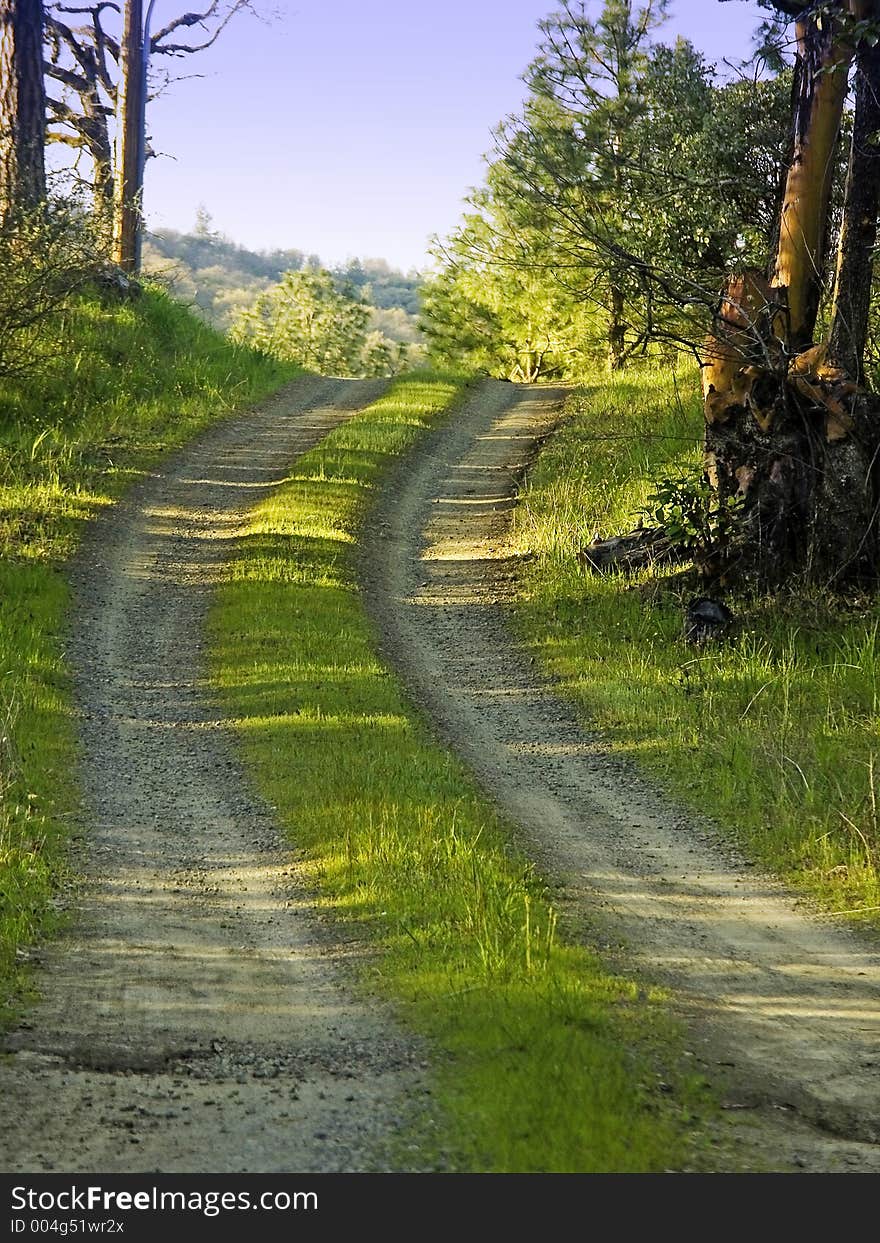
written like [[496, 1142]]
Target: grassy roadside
[[551, 1064], [131, 380], [775, 733]]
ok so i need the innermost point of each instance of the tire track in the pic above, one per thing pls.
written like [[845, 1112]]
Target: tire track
[[783, 1010], [195, 1018]]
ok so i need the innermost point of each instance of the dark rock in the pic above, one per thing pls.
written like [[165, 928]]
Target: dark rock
[[113, 282], [706, 619]]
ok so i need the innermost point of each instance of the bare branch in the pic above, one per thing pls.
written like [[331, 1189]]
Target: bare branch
[[67, 77], [92, 9], [186, 19]]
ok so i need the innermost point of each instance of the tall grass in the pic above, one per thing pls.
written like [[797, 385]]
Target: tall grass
[[126, 381], [550, 1062], [774, 732]]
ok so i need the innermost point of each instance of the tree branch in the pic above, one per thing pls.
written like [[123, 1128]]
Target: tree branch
[[185, 20]]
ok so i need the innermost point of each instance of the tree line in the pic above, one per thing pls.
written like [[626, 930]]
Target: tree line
[[222, 277]]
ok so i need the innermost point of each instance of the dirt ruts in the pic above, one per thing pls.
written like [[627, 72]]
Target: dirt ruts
[[783, 1009], [194, 1018]]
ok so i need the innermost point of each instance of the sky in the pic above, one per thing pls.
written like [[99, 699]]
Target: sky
[[357, 127]]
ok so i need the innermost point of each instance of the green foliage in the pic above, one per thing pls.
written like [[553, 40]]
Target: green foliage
[[693, 513], [307, 320], [120, 383], [614, 204], [544, 1062], [772, 733], [485, 311], [222, 279]]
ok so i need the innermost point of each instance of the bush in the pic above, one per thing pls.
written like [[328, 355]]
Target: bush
[[45, 258], [693, 514]]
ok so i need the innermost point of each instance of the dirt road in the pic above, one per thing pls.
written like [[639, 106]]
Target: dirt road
[[783, 1010], [195, 1018]]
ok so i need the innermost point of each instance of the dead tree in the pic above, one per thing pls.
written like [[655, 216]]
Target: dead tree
[[81, 63], [97, 57], [131, 137]]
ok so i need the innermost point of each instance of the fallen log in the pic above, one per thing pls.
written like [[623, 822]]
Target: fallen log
[[637, 550]]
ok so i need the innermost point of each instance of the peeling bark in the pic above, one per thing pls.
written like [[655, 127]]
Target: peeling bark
[[800, 445], [819, 93]]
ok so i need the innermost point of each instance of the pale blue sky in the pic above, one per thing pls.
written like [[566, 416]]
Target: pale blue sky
[[356, 127]]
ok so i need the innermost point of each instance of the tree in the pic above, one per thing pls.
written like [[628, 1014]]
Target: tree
[[131, 138], [22, 107], [382, 356], [858, 231], [789, 429], [204, 225], [819, 95], [106, 75], [306, 319], [623, 160], [617, 200], [568, 160], [499, 304], [80, 62]]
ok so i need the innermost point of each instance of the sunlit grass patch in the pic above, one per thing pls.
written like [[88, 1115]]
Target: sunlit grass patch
[[774, 732], [129, 382], [548, 1062]]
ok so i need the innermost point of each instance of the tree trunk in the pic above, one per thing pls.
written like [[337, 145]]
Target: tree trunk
[[788, 429], [22, 107], [128, 221], [858, 234], [616, 330], [848, 500], [753, 443], [95, 132], [101, 151], [819, 94]]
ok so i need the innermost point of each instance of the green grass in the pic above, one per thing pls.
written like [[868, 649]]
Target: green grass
[[130, 381], [774, 733], [547, 1061]]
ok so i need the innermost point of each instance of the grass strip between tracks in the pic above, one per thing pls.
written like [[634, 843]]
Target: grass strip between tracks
[[131, 380], [774, 733], [549, 1062]]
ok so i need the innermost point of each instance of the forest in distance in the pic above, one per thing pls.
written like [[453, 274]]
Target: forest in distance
[[362, 316], [222, 278]]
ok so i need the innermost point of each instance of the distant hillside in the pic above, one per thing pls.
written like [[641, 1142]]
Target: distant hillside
[[221, 278]]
